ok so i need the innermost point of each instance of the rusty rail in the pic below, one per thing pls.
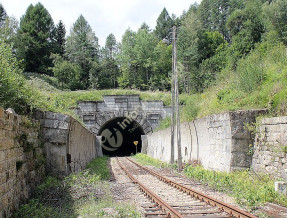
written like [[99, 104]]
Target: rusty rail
[[171, 212], [231, 210]]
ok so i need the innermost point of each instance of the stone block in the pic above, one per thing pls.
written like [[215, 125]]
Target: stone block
[[63, 125], [281, 187], [55, 135], [48, 123], [50, 115]]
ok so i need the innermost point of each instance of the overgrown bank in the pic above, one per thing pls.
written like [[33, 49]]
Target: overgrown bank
[[85, 194]]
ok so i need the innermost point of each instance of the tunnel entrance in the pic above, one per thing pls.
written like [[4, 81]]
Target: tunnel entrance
[[119, 135]]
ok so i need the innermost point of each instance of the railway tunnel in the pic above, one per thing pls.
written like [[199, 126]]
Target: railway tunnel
[[121, 120], [121, 136]]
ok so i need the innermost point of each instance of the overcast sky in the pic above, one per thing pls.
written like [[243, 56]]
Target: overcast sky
[[104, 16]]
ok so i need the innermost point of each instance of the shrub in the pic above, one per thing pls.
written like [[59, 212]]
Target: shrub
[[13, 91], [68, 74]]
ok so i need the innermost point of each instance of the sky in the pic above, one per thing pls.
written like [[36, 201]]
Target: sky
[[104, 16]]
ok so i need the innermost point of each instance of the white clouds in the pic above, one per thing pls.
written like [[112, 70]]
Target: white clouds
[[105, 16]]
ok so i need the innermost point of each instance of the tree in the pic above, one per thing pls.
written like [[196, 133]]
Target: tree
[[214, 14], [3, 15], [246, 27], [189, 54], [162, 64], [104, 75], [68, 74], [60, 38], [136, 58], [82, 48], [111, 46], [8, 31], [36, 33], [276, 13], [126, 58], [164, 24]]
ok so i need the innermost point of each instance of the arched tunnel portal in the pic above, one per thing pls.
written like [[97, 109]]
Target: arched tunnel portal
[[119, 136]]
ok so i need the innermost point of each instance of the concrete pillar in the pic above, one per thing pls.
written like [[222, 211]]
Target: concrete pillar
[[98, 145], [144, 144]]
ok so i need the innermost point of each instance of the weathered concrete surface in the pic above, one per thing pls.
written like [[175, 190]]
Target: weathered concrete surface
[[21, 160], [270, 148], [68, 145], [221, 141], [96, 113]]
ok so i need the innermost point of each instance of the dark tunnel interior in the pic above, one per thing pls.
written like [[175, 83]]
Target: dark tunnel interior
[[119, 135]]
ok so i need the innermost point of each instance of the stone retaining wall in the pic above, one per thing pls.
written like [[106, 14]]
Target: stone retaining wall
[[221, 141], [21, 160], [270, 148], [68, 145]]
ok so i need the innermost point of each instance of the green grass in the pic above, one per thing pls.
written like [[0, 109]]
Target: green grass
[[84, 194], [99, 166], [249, 189], [146, 160]]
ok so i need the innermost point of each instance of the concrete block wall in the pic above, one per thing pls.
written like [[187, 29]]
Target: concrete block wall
[[270, 148], [221, 141], [69, 146], [21, 160]]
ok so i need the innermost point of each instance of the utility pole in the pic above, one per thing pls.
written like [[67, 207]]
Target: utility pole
[[173, 96], [176, 94]]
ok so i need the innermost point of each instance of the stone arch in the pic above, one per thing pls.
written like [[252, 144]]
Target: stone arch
[[96, 113], [102, 118]]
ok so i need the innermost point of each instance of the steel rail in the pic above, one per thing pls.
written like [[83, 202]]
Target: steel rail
[[171, 212], [231, 210]]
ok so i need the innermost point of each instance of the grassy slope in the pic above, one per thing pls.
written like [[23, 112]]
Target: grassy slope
[[64, 101], [234, 90]]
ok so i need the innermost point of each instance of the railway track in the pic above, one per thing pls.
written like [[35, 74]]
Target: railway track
[[171, 199]]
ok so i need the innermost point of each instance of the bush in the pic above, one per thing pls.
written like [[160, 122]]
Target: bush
[[13, 90]]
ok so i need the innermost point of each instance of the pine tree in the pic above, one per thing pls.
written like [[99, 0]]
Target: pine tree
[[111, 45], [37, 42], [3, 15], [60, 38], [82, 48], [164, 24]]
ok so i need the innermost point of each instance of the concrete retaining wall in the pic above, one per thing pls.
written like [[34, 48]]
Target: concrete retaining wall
[[221, 142], [21, 160], [270, 148], [68, 145]]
